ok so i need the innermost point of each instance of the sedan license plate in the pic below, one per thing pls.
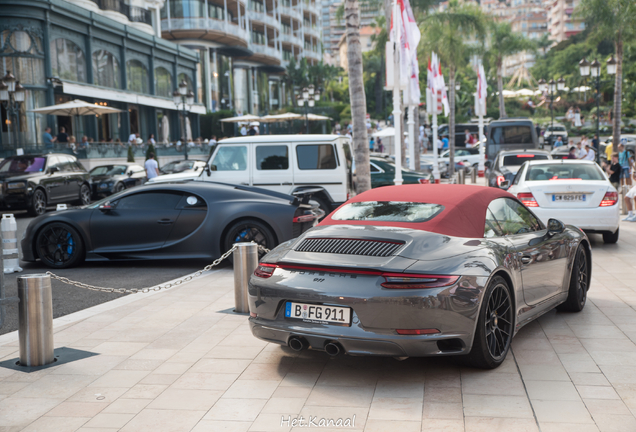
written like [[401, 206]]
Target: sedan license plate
[[318, 314], [569, 197]]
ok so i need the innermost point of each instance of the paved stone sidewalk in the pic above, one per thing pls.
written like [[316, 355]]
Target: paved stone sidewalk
[[179, 361]]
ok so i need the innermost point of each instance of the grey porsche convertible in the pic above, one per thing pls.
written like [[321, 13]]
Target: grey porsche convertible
[[420, 270]]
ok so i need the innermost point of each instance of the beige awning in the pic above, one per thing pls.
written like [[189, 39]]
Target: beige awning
[[76, 108]]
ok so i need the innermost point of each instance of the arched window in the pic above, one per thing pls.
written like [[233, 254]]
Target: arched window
[[67, 60], [187, 79], [22, 53], [106, 69], [163, 82], [137, 76]]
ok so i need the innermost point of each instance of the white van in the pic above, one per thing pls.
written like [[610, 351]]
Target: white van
[[282, 163]]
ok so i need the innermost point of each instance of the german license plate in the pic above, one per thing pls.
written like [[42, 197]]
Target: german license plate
[[569, 197], [318, 314]]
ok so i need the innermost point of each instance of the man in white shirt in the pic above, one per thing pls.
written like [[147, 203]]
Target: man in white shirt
[[132, 139], [590, 153], [243, 130], [152, 168]]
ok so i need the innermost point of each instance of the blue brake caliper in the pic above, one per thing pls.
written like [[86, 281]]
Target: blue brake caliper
[[69, 248], [241, 236]]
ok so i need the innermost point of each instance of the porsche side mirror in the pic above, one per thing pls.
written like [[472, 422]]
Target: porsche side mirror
[[555, 226], [504, 184]]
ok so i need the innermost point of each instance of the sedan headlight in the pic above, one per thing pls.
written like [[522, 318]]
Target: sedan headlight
[[16, 185]]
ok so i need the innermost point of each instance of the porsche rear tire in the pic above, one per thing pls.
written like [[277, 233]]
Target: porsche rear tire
[[579, 283], [495, 327]]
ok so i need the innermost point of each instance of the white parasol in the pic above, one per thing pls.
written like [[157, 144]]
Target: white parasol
[[76, 108], [247, 118], [281, 118], [165, 129], [188, 130]]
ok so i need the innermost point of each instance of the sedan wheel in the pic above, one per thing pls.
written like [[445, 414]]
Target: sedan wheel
[[59, 246], [85, 195], [579, 283], [495, 327], [38, 203], [120, 187]]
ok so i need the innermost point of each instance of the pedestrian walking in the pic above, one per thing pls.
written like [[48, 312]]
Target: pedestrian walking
[[613, 170], [624, 161], [152, 168]]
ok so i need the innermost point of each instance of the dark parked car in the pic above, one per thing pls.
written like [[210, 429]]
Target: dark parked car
[[168, 221], [507, 163], [383, 173], [510, 134], [109, 179], [182, 166], [32, 182], [420, 270]]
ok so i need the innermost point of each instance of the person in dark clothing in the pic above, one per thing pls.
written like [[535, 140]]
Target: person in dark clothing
[[62, 137], [614, 171], [572, 154]]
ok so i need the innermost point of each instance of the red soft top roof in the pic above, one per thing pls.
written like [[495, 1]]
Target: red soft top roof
[[464, 213]]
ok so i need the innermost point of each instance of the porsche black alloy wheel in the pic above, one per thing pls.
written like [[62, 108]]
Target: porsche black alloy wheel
[[85, 195], [59, 246], [494, 328], [247, 231], [38, 203], [579, 283]]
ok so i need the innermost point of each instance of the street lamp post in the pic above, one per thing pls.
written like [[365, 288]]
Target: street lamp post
[[306, 99], [552, 87], [594, 70], [182, 98], [12, 95]]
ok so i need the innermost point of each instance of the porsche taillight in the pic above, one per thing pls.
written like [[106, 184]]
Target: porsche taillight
[[610, 199], [265, 270], [527, 199], [415, 281]]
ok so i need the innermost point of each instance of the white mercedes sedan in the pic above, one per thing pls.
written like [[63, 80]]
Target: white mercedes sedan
[[576, 192]]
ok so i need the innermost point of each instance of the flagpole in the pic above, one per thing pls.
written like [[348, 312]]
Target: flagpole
[[396, 96], [431, 107], [480, 109], [411, 125]]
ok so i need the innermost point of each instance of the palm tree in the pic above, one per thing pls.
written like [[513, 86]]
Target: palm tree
[[544, 42], [614, 20], [448, 34], [357, 96], [504, 42]]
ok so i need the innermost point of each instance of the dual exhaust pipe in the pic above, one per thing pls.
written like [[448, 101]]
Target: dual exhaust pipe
[[298, 343]]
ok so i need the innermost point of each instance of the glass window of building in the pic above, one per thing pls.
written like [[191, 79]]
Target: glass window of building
[[106, 69], [258, 38], [21, 53], [67, 60], [287, 55], [216, 12], [186, 8], [137, 76], [256, 6], [286, 28], [163, 82]]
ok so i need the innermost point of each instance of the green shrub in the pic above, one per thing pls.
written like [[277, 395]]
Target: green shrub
[[131, 155]]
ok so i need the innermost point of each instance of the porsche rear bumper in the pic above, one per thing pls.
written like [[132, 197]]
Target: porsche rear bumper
[[376, 314]]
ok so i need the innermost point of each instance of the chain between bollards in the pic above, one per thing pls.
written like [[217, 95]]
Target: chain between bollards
[[177, 282]]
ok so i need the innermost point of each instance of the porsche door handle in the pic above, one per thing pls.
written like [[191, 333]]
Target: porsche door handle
[[165, 221], [526, 259]]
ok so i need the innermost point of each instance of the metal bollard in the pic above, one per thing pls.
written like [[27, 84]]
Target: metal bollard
[[622, 191], [245, 262], [35, 320], [461, 176], [10, 244], [473, 175]]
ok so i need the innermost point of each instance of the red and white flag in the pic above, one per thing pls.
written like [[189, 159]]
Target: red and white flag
[[409, 38], [435, 81]]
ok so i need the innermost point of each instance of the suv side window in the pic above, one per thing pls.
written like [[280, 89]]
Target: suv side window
[[231, 158], [272, 157], [513, 217], [316, 157]]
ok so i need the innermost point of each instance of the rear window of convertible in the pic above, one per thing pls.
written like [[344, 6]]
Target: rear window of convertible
[[389, 211]]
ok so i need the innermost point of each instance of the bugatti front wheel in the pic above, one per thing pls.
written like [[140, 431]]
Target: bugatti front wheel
[[495, 327], [249, 230], [59, 245]]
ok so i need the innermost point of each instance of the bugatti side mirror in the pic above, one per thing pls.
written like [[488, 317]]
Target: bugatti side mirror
[[555, 226], [504, 184]]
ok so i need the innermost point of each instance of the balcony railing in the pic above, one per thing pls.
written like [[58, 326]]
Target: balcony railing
[[265, 50], [290, 38], [294, 13], [264, 18], [109, 150], [133, 13], [204, 24]]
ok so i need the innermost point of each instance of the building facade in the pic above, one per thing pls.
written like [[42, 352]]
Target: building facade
[[368, 14], [562, 22], [102, 51], [245, 47]]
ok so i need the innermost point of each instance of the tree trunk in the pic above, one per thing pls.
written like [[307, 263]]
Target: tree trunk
[[357, 96], [502, 103], [618, 92], [379, 88], [451, 121]]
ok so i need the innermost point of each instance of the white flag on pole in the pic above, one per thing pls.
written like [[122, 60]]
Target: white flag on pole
[[438, 82], [482, 90], [409, 39]]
